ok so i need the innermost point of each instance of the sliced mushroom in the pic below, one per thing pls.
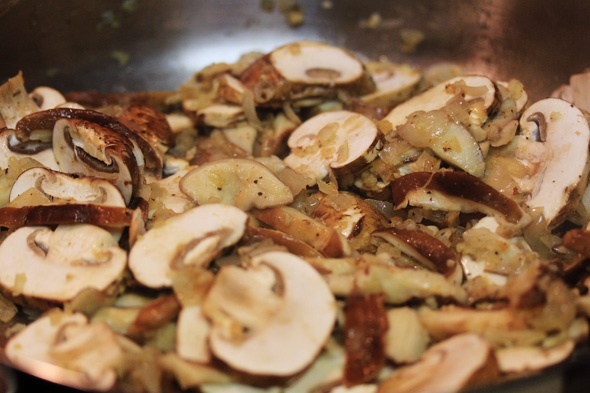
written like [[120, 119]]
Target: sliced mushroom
[[56, 265], [72, 213], [244, 183], [311, 231], [457, 191], [47, 98], [342, 141], [9, 147], [68, 350], [470, 88], [461, 361], [56, 187], [191, 335], [288, 325], [365, 326], [395, 83], [564, 130], [425, 249], [292, 244], [82, 147], [305, 69], [194, 237]]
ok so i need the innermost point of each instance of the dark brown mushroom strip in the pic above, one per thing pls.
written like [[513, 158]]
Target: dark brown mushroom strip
[[455, 191], [364, 338], [108, 216], [445, 260]]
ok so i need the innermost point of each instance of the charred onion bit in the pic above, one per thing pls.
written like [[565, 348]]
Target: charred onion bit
[[456, 191], [305, 69], [364, 341], [73, 213], [423, 247]]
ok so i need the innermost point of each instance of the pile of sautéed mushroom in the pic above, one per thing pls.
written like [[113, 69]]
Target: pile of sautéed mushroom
[[297, 221]]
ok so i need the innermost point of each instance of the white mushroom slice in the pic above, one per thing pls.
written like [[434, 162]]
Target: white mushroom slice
[[330, 65], [448, 366], [15, 102], [299, 314], [342, 141], [47, 97], [66, 349], [564, 130], [220, 115], [192, 333], [60, 187], [394, 82], [241, 182], [305, 69], [56, 265], [87, 148], [193, 237], [525, 359], [8, 149], [476, 87]]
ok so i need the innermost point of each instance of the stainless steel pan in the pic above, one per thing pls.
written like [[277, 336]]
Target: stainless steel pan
[[125, 45]]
